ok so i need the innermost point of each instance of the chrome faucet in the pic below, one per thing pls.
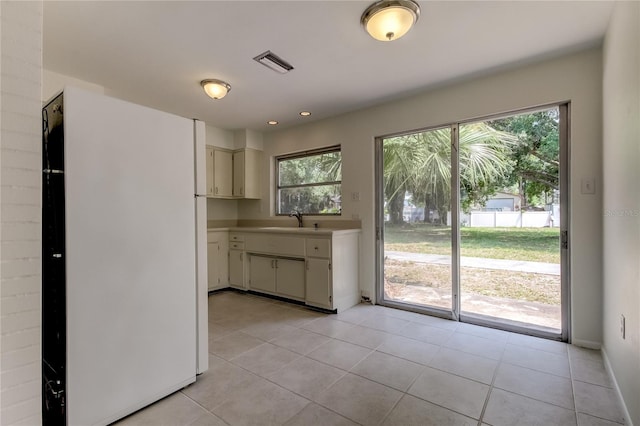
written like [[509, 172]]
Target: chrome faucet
[[298, 216]]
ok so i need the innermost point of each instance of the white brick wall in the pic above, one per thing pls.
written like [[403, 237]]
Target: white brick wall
[[20, 211]]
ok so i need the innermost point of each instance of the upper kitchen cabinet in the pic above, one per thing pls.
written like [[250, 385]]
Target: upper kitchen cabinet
[[222, 173], [210, 189], [247, 167], [233, 174], [219, 173]]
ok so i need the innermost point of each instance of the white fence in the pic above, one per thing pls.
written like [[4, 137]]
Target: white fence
[[509, 219]]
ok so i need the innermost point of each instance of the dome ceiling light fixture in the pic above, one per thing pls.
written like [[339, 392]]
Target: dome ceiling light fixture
[[388, 20], [216, 89]]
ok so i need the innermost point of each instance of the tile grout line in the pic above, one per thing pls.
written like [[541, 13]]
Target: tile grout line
[[574, 393], [491, 386], [573, 390], [203, 407], [501, 362], [310, 401], [406, 392]]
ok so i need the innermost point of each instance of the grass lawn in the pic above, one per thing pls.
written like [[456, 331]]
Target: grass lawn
[[532, 244]]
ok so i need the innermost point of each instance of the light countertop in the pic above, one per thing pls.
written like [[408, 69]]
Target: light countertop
[[286, 230]]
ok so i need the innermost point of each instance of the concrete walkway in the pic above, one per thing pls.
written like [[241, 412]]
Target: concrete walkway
[[479, 262]]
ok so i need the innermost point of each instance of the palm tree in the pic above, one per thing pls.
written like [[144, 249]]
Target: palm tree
[[420, 164], [399, 158]]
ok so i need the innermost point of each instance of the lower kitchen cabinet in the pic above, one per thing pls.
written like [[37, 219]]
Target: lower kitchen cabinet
[[318, 285], [262, 275], [278, 276], [290, 278], [319, 268], [217, 261], [236, 268]]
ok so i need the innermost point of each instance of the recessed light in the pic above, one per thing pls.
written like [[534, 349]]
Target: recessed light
[[272, 122], [305, 113]]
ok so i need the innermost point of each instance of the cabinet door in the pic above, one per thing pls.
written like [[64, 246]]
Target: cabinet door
[[236, 268], [222, 168], [290, 278], [223, 261], [262, 274], [318, 283], [212, 265], [210, 172], [238, 174]]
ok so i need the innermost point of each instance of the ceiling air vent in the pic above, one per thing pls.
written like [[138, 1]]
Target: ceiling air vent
[[270, 60]]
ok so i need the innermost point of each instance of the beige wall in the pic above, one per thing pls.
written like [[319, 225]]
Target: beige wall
[[220, 137], [576, 78], [53, 83], [20, 223], [621, 203]]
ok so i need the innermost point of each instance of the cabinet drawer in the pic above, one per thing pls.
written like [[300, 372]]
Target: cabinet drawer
[[318, 247], [234, 236], [236, 246], [213, 236]]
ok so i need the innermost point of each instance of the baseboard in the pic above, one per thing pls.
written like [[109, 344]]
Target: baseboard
[[607, 366], [586, 344]]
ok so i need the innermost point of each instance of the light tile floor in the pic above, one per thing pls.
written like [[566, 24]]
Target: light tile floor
[[274, 363]]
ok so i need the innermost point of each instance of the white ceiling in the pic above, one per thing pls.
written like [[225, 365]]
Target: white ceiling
[[156, 52]]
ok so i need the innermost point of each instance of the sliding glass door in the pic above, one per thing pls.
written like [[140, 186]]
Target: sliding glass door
[[416, 186], [472, 221]]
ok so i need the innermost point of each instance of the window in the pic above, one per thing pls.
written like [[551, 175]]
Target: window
[[310, 182]]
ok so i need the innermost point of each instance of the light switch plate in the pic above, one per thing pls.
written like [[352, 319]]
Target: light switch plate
[[588, 185]]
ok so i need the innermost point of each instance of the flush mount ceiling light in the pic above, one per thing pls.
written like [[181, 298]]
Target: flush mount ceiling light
[[388, 20], [305, 113], [272, 122], [216, 89]]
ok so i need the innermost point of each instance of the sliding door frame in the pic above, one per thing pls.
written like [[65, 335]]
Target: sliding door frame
[[455, 314], [451, 313]]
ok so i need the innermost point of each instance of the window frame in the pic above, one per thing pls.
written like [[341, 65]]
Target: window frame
[[304, 154]]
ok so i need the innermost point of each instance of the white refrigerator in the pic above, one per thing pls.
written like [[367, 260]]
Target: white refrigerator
[[133, 256]]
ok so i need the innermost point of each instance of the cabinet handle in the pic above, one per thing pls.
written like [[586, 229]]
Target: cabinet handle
[[272, 263], [315, 248]]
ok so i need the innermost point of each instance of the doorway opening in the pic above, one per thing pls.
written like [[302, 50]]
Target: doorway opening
[[472, 221]]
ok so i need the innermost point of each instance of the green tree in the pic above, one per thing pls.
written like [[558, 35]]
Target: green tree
[[308, 183], [420, 164], [535, 157], [399, 159]]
